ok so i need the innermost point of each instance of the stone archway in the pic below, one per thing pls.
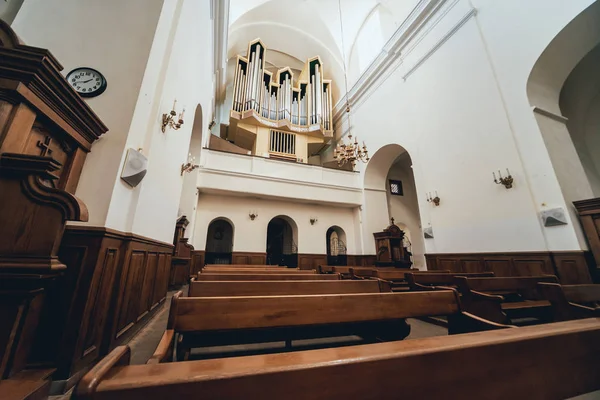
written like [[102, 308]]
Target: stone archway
[[219, 241]]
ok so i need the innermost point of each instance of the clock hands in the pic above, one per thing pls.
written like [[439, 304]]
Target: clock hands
[[85, 81]]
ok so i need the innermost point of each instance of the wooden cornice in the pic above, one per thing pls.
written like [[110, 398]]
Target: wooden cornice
[[38, 71]]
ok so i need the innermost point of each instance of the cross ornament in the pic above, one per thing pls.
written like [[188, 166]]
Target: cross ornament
[[45, 146], [392, 219]]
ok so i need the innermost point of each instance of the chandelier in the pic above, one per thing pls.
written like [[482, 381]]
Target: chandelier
[[349, 152]]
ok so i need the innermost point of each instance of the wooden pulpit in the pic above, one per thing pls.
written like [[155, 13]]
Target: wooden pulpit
[[390, 249], [46, 130], [182, 256]]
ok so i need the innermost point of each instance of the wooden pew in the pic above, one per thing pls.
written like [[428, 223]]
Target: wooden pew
[[256, 271], [503, 299], [281, 288], [219, 321], [572, 301], [264, 277], [244, 266], [551, 361], [441, 280]]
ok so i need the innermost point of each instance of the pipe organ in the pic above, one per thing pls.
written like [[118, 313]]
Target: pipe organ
[[299, 105]]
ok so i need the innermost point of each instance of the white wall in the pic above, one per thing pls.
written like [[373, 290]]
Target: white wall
[[116, 45], [162, 53], [456, 99], [9, 9], [251, 236], [405, 209]]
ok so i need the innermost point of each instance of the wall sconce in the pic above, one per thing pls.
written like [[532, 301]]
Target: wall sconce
[[435, 200], [507, 182], [212, 123], [313, 220], [252, 215], [169, 119], [189, 166]]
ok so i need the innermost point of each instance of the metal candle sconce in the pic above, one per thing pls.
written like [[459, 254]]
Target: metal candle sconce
[[507, 181], [435, 200]]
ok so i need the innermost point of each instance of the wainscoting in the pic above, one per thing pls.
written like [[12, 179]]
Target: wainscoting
[[239, 257], [570, 266], [113, 283], [311, 261], [362, 260]]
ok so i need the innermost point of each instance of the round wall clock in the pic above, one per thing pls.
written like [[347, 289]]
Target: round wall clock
[[87, 81]]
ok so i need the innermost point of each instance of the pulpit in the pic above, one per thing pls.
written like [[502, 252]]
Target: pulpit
[[390, 249], [46, 130], [182, 256]]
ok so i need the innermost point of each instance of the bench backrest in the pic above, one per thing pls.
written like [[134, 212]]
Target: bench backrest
[[209, 276], [499, 284], [281, 288], [193, 314], [256, 271], [400, 275], [561, 297], [441, 278], [242, 266], [550, 361]]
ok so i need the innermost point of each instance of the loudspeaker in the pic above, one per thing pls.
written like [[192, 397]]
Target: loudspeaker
[[135, 167]]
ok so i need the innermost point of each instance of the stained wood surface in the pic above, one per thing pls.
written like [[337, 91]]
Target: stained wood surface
[[264, 277], [222, 313], [582, 293], [31, 384], [399, 275], [227, 270], [503, 283], [274, 288], [441, 278], [251, 266], [552, 361]]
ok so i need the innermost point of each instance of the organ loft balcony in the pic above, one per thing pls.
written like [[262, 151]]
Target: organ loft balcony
[[276, 114]]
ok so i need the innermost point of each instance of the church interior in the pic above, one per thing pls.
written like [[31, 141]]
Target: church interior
[[299, 199]]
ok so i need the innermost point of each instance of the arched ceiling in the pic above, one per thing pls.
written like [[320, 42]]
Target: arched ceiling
[[295, 30]]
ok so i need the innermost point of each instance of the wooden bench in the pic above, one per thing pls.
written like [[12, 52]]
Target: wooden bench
[[572, 301], [29, 384], [439, 280], [280, 288], [251, 266], [551, 361], [220, 321], [264, 277], [502, 299], [256, 271]]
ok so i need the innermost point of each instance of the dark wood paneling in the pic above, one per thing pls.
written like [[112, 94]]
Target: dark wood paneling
[[113, 282], [589, 215], [197, 261], [244, 257], [570, 267], [311, 261], [361, 260]]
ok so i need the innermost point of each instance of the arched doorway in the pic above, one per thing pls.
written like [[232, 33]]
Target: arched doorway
[[336, 246], [189, 191], [282, 242], [564, 92], [219, 242], [390, 192]]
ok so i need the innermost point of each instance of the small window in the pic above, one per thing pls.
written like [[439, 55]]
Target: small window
[[396, 188]]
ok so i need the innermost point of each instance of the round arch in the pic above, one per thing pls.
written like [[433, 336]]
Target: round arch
[[560, 98], [219, 241], [282, 241], [336, 246], [391, 166]]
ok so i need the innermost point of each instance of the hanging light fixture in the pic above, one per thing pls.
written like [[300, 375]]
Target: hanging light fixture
[[351, 151]]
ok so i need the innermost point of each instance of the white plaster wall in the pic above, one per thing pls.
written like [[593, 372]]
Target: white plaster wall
[[457, 101], [104, 36], [405, 209], [251, 235], [9, 9]]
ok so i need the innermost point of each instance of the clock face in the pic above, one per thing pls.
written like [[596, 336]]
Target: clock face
[[87, 81]]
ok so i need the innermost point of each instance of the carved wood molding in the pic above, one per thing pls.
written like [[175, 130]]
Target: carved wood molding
[[36, 175]]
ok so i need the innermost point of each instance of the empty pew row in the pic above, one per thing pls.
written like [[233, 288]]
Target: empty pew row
[[435, 279], [228, 270], [503, 299], [218, 321], [551, 361], [571, 301], [249, 266], [241, 276], [282, 288]]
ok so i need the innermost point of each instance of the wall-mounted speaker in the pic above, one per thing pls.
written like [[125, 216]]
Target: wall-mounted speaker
[[135, 167]]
